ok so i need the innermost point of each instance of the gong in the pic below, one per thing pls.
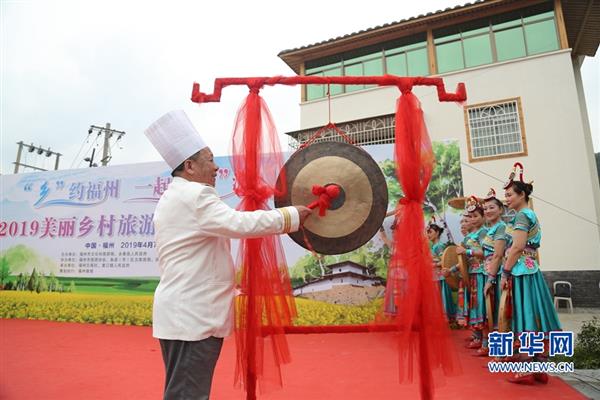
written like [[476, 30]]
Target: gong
[[353, 217]]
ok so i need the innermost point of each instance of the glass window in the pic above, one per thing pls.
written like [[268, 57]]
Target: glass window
[[334, 89], [476, 32], [478, 50], [353, 70], [510, 44], [315, 91], [417, 62], [396, 64], [538, 17], [373, 67], [448, 38], [449, 56], [541, 37], [315, 70], [508, 24], [414, 46]]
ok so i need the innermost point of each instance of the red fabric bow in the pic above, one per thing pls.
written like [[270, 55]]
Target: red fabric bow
[[326, 195]]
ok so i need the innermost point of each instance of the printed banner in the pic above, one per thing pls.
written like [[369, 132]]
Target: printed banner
[[89, 232]]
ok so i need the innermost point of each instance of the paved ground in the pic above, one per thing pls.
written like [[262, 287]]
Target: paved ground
[[585, 381], [572, 322]]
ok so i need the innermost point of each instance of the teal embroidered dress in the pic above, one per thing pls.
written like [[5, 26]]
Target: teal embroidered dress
[[533, 309]]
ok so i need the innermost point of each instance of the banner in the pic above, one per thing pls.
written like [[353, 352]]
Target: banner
[[89, 232]]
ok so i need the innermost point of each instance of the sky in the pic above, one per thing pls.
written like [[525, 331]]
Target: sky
[[66, 65]]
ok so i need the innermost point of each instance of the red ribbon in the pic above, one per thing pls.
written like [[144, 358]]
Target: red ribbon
[[326, 195]]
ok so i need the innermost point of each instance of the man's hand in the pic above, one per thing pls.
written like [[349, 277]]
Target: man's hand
[[460, 250], [488, 286], [304, 212]]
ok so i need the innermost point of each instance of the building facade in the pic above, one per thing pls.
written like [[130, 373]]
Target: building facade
[[520, 62], [339, 274]]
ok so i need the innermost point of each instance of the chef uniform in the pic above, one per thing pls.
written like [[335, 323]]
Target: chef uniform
[[193, 303]]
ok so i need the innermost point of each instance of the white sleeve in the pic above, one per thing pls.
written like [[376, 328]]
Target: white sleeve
[[218, 219]]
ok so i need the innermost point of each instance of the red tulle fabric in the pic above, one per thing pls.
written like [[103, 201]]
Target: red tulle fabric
[[424, 343], [266, 303]]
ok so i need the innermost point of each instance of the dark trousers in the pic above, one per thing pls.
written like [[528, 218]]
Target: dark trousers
[[189, 367]]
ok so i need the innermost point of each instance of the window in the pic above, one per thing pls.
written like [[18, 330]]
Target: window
[[510, 42], [495, 130], [504, 37], [478, 50], [418, 64], [540, 33], [405, 58], [318, 91], [449, 56]]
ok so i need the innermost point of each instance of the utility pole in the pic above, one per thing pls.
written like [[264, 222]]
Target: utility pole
[[39, 150], [108, 134]]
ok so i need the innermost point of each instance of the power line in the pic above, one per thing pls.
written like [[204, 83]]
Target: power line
[[535, 197], [89, 148], [86, 140]]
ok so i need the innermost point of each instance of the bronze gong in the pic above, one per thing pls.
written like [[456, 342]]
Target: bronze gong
[[356, 215]]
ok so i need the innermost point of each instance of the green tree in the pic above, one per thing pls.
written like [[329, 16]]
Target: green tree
[[53, 283], [308, 268], [388, 167], [42, 284], [72, 287], [376, 259], [21, 282], [4, 270], [446, 181], [33, 281]]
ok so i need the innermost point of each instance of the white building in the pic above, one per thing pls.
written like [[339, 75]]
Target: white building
[[520, 62], [343, 273]]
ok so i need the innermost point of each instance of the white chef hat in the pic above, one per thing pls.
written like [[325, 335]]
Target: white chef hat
[[175, 137]]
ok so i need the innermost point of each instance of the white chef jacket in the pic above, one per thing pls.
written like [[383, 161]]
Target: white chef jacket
[[194, 299]]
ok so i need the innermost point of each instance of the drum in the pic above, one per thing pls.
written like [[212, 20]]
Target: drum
[[450, 259]]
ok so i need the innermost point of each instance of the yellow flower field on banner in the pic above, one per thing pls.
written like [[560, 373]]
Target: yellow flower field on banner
[[137, 310]]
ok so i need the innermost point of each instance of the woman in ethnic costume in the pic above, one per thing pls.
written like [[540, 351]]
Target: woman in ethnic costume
[[494, 244], [462, 308], [434, 231], [471, 247], [532, 306]]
